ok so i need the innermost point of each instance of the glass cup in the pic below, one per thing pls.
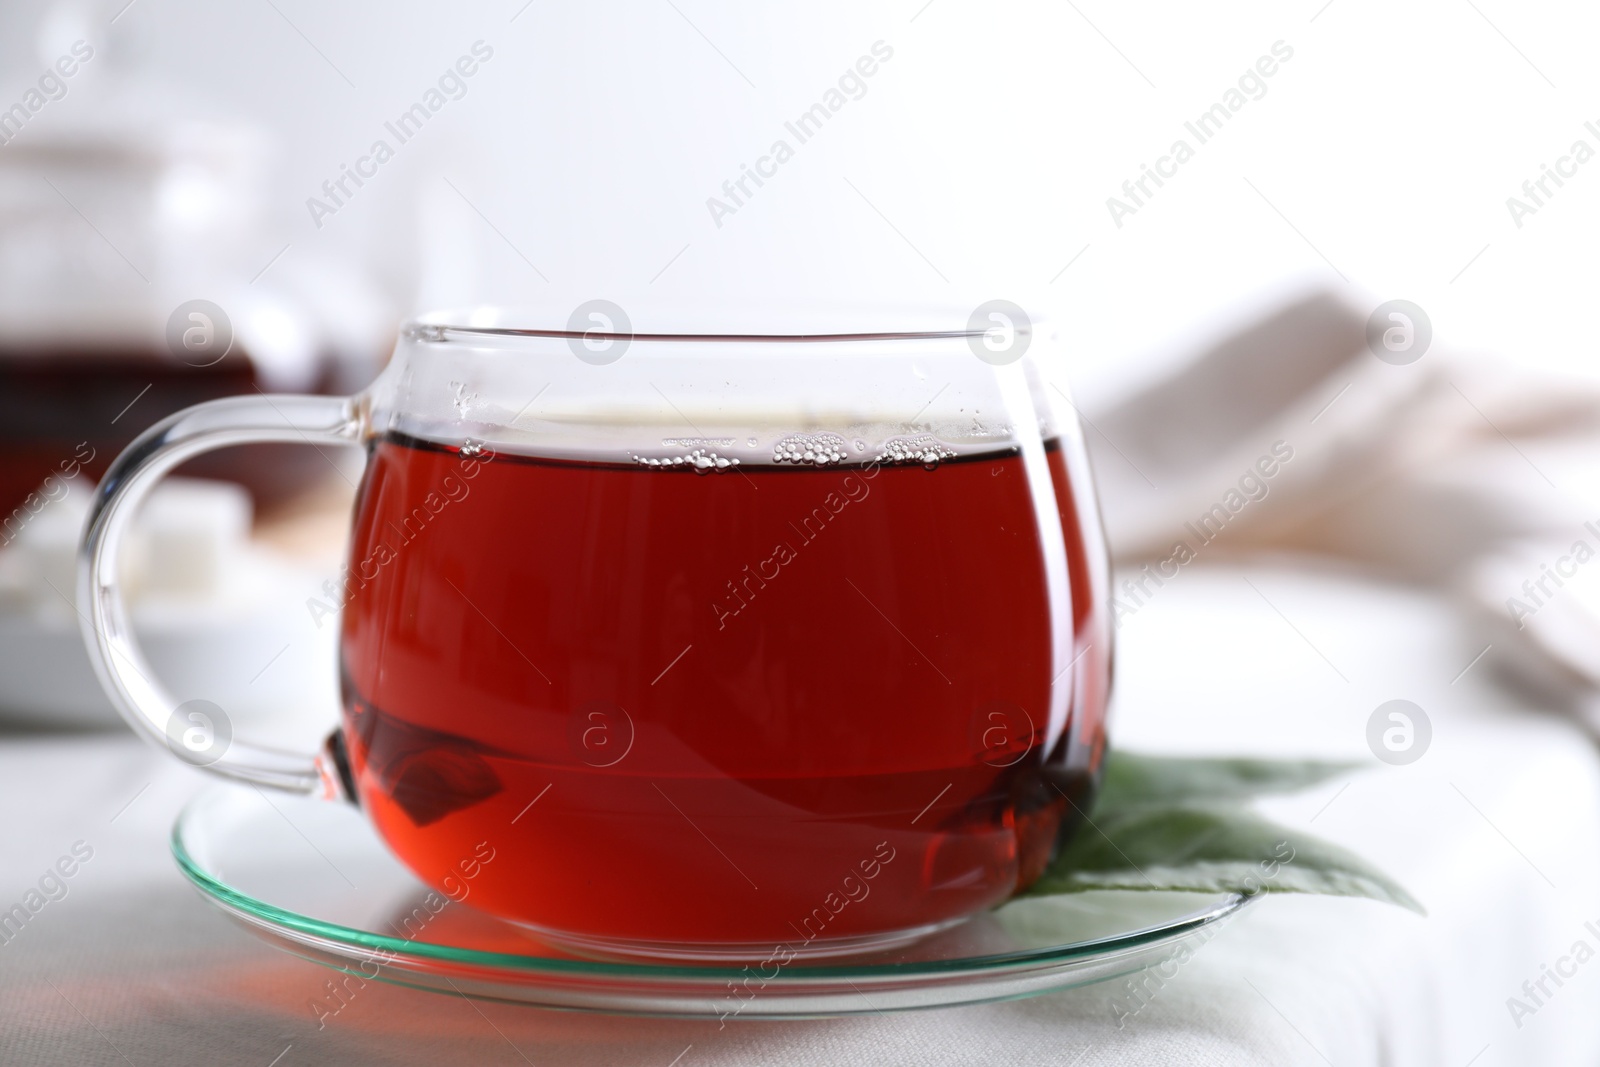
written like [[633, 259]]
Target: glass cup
[[686, 645]]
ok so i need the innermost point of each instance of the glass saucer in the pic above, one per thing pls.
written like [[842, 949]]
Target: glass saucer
[[313, 877]]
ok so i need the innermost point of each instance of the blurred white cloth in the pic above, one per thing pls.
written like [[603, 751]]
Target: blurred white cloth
[[1465, 475]]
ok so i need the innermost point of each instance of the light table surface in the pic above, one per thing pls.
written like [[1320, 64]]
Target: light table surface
[[1496, 829]]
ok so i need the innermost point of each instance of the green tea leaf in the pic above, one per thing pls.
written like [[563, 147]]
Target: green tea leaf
[[1133, 780], [1208, 847]]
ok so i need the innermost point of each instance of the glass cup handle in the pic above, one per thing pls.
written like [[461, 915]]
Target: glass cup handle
[[121, 667]]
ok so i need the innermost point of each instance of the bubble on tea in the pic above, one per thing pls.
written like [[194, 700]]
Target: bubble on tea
[[700, 461], [471, 448], [815, 449], [923, 449]]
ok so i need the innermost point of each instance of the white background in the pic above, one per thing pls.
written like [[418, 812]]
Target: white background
[[990, 142]]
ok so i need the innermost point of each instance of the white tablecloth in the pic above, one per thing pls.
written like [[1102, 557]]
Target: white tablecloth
[[1496, 829]]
